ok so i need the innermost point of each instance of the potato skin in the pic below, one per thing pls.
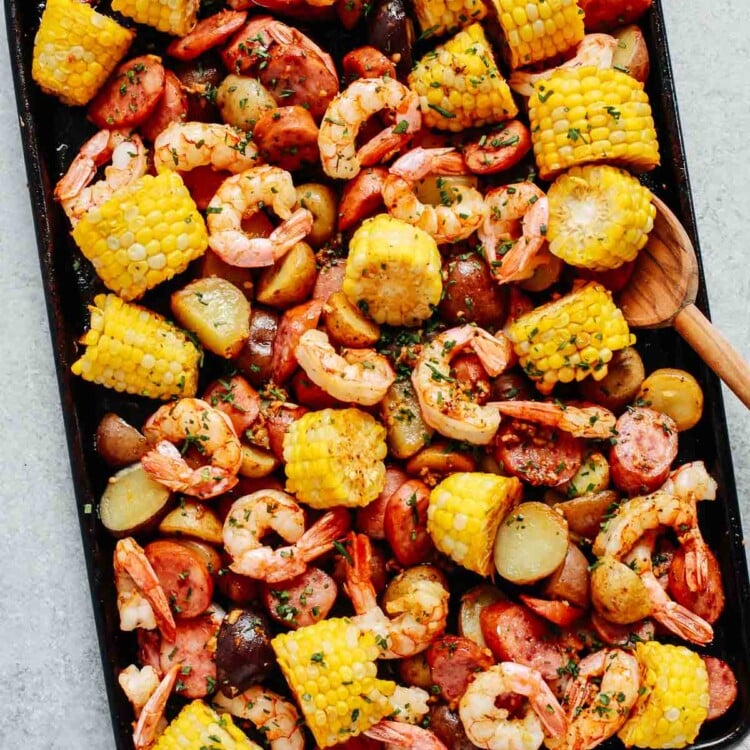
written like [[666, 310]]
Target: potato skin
[[470, 294], [584, 514], [322, 202], [290, 280], [631, 53], [620, 385], [118, 442], [347, 325], [406, 431], [193, 519], [570, 582], [617, 592], [256, 356], [242, 101]]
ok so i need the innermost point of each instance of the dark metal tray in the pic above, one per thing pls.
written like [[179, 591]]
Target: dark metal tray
[[52, 133]]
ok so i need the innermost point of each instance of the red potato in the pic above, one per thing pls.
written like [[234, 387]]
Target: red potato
[[208, 33], [237, 588], [570, 582], [130, 95], [361, 197], [366, 62], [119, 443], [707, 603], [500, 149], [722, 686], [208, 554], [294, 322], [405, 523], [605, 15], [370, 520], [183, 575], [255, 361], [330, 279], [237, 399], [301, 601], [172, 107], [288, 138], [277, 423], [559, 613], [453, 663], [472, 377], [646, 447]]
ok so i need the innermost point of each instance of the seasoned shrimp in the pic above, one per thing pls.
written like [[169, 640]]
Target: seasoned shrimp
[[360, 376], [512, 258], [252, 516], [192, 422], [141, 600], [641, 514], [410, 704], [138, 685], [276, 718], [74, 191], [184, 146], [151, 722], [489, 726], [446, 223], [593, 422], [691, 481], [417, 619], [444, 404], [242, 196], [594, 49], [349, 110], [596, 713], [395, 734]]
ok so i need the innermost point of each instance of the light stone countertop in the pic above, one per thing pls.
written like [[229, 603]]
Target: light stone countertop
[[52, 687]]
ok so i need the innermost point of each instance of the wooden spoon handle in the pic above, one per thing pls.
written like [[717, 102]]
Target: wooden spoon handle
[[715, 351]]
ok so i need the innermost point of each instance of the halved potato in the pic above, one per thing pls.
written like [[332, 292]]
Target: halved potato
[[675, 393], [472, 604], [593, 476], [257, 463], [570, 582], [618, 593], [132, 502], [118, 442], [290, 280], [435, 461], [322, 202], [406, 431], [346, 325], [193, 519], [619, 386], [242, 101], [402, 586], [210, 264], [631, 53], [217, 312], [585, 514], [208, 554]]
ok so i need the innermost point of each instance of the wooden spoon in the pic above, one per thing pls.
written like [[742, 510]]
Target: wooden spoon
[[662, 292]]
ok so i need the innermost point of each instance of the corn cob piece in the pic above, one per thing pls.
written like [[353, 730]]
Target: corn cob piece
[[570, 338], [674, 699], [440, 17], [599, 217], [198, 727], [537, 30], [330, 667], [176, 17], [464, 514], [76, 49], [459, 85], [144, 234], [335, 457], [132, 349], [393, 272], [582, 115]]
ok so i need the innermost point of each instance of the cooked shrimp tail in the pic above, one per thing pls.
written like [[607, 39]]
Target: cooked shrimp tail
[[147, 728], [358, 582], [396, 734], [691, 481], [421, 162]]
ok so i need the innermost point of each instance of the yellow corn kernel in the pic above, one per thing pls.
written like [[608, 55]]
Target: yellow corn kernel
[[176, 17], [439, 17]]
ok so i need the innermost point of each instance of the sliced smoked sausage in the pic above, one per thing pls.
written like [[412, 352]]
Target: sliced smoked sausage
[[722, 686], [453, 663], [301, 601]]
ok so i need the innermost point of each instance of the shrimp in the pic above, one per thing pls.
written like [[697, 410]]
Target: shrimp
[[443, 403], [242, 196], [512, 259], [128, 154], [349, 110], [691, 482], [419, 617], [608, 705], [410, 704], [395, 734], [184, 146], [151, 721], [191, 421], [641, 514], [276, 718], [360, 376], [453, 221], [138, 685], [141, 600], [593, 422], [594, 49], [489, 726], [252, 516]]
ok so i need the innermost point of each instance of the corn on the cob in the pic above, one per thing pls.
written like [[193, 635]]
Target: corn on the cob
[[393, 272], [599, 217], [76, 49], [674, 699], [464, 514], [439, 17], [132, 349], [570, 338], [459, 84], [330, 667], [176, 17], [581, 115], [335, 457], [144, 234], [198, 727]]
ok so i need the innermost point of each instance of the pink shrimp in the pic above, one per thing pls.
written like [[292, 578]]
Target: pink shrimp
[[151, 719]]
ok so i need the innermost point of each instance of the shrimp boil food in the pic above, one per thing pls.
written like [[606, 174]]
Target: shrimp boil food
[[409, 484]]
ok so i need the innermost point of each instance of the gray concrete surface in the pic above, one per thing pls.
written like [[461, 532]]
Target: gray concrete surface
[[52, 692]]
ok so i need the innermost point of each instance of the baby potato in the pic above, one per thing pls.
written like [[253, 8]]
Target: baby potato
[[472, 604], [402, 586], [593, 476], [256, 462], [347, 325], [585, 513], [210, 264], [570, 582], [675, 393], [322, 202], [193, 519], [118, 442], [415, 671], [618, 593], [406, 431], [620, 385], [242, 101], [631, 53], [290, 280]]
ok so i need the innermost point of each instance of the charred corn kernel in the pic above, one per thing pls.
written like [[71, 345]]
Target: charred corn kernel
[[438, 17], [176, 17], [599, 217], [335, 457], [144, 234], [459, 85], [537, 30], [581, 115], [76, 49], [132, 349], [393, 272], [330, 667], [464, 514], [199, 727], [570, 338], [674, 698]]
